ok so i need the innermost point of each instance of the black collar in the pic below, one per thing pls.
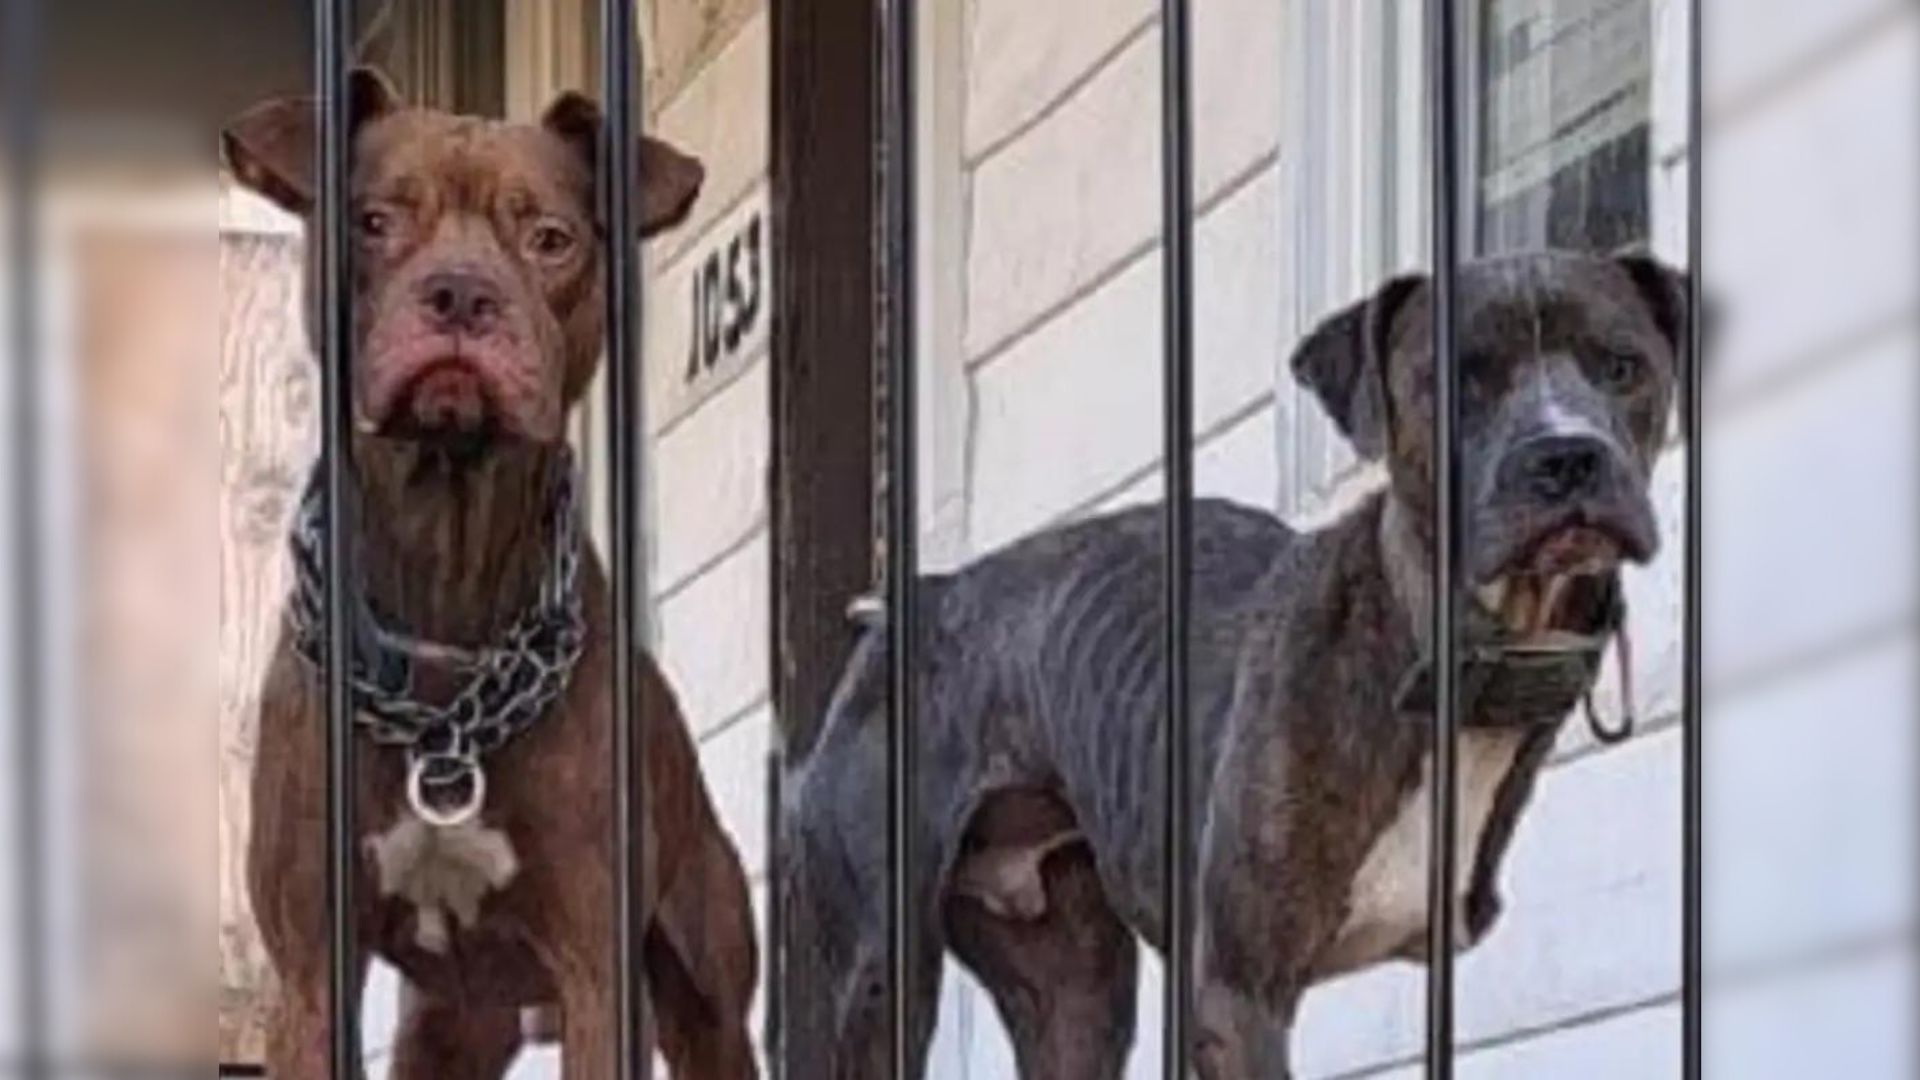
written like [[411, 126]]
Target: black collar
[[1507, 682]]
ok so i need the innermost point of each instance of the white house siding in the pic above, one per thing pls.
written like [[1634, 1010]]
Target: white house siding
[[1811, 518], [708, 433], [1810, 171]]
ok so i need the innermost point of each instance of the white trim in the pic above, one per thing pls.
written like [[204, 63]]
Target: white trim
[[1353, 201], [1670, 155], [945, 385]]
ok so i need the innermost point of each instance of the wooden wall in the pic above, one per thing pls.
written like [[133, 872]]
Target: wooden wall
[[268, 401]]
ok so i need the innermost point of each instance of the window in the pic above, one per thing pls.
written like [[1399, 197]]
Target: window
[[1565, 121]]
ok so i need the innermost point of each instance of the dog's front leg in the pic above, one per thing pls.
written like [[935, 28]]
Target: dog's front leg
[[1245, 996], [589, 1029], [1268, 904], [298, 1044], [588, 1049], [1244, 1034]]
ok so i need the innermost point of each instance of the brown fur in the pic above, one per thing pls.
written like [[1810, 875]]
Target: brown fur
[[452, 546]]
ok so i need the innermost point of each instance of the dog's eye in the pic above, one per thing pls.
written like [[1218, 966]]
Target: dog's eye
[[1620, 370], [550, 241], [375, 224]]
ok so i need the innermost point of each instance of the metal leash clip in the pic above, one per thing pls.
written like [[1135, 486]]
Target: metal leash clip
[[1613, 736]]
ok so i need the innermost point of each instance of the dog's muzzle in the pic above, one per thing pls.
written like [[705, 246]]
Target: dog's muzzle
[[447, 398]]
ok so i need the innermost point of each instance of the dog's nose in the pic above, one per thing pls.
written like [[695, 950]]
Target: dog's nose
[[460, 302], [1556, 468]]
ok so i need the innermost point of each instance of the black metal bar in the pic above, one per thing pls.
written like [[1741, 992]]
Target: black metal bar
[[333, 36], [772, 1020], [1693, 749], [619, 180], [1176, 185], [1443, 63], [20, 63], [899, 160]]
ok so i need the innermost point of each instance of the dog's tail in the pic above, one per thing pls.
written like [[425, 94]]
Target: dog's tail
[[862, 687], [868, 611]]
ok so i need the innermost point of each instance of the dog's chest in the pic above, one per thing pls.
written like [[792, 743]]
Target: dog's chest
[[1387, 902]]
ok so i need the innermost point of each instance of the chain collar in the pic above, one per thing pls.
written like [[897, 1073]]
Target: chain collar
[[503, 688]]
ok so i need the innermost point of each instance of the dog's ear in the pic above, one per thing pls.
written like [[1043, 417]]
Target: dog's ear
[[1668, 294], [672, 179], [270, 147], [1344, 362]]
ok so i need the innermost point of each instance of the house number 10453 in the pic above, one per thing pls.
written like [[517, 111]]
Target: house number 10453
[[728, 295]]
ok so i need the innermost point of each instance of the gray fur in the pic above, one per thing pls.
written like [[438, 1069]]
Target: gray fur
[[1040, 684]]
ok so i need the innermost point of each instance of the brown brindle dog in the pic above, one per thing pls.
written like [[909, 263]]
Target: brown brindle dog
[[478, 293]]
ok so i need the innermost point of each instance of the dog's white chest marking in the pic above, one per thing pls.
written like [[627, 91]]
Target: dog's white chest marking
[[441, 871], [1387, 906]]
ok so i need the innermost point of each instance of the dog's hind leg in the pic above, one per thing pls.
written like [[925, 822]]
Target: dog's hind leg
[[439, 1041], [703, 1031], [1061, 965]]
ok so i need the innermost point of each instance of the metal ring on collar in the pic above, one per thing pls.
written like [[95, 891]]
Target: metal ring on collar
[[461, 814]]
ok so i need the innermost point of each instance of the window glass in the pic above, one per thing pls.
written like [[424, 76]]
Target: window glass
[[1566, 93]]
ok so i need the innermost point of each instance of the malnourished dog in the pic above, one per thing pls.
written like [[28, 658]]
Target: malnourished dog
[[1039, 805], [481, 651]]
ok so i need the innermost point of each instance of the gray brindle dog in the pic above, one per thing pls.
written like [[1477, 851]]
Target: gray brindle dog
[[1039, 826]]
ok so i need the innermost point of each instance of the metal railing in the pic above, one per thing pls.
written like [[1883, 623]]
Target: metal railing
[[1176, 455], [619, 178], [1443, 42], [1692, 632], [332, 64], [898, 167]]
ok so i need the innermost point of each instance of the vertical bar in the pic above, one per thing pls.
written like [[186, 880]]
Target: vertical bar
[[332, 40], [619, 179], [1176, 185], [1442, 46], [772, 1019], [899, 160], [825, 513], [1693, 749], [21, 94]]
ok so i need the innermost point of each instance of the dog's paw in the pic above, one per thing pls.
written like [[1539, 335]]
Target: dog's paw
[[1482, 910]]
